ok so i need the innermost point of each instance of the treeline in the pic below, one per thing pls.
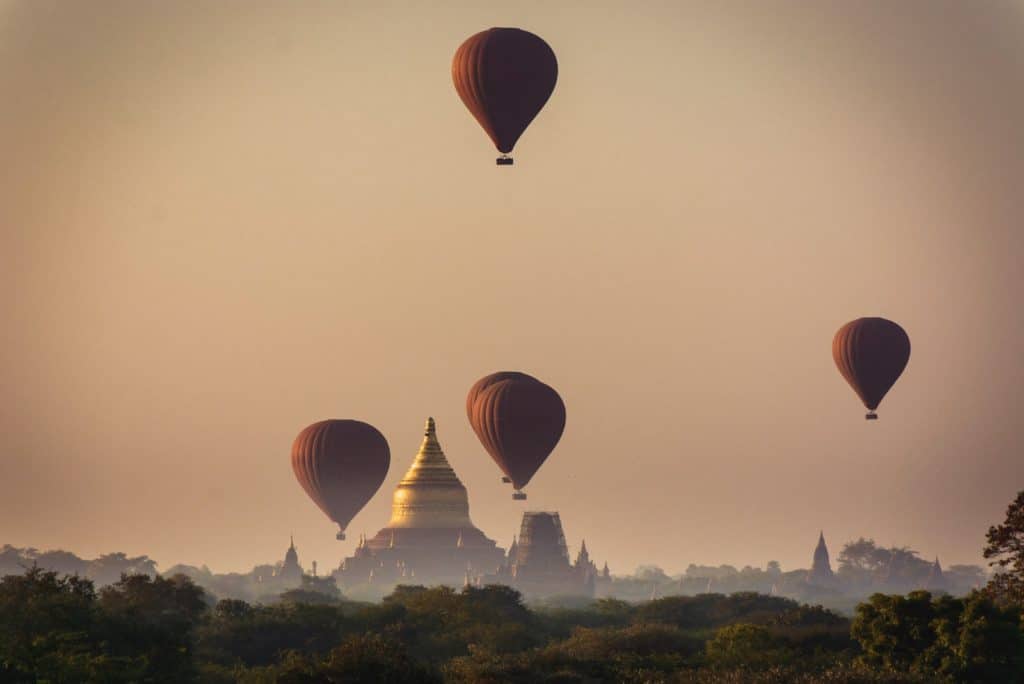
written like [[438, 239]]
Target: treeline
[[105, 569], [154, 629]]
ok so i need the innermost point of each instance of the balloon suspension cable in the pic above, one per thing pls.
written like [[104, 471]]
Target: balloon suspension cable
[[871, 415], [518, 496], [504, 160]]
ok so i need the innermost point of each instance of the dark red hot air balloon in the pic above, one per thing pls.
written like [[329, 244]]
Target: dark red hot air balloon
[[519, 420], [871, 354], [341, 465], [482, 384], [504, 76]]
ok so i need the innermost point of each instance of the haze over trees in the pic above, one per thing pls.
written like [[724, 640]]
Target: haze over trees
[[862, 568], [143, 627]]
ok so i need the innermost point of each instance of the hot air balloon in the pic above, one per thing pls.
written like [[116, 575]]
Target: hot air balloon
[[504, 76], [482, 384], [871, 353], [341, 465], [519, 420]]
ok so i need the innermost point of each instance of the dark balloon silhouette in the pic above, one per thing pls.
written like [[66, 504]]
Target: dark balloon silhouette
[[504, 76], [482, 384], [341, 464], [871, 354], [519, 420]]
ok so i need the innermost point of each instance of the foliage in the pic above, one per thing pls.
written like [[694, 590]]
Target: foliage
[[319, 590], [713, 610], [746, 645], [48, 627], [152, 629], [969, 639], [151, 620], [361, 659], [1005, 546]]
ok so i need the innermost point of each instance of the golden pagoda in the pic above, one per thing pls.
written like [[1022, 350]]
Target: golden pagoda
[[430, 495], [430, 535]]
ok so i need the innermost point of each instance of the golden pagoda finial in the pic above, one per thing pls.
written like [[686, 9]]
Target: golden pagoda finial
[[430, 429]]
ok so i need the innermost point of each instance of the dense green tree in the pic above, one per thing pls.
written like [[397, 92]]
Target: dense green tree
[[152, 619], [747, 646], [637, 653], [559, 622], [321, 590], [47, 627], [1005, 547], [970, 639], [361, 659], [895, 631], [439, 623], [153, 629], [989, 643], [709, 611], [253, 636]]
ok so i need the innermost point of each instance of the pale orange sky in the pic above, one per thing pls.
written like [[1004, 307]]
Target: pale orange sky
[[222, 221]]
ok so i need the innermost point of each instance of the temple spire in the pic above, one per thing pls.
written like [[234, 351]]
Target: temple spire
[[821, 568], [583, 557], [430, 494], [935, 581]]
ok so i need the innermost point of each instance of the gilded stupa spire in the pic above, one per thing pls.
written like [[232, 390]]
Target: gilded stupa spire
[[430, 495], [431, 455]]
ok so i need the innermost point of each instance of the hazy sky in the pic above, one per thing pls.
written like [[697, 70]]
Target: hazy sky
[[222, 221]]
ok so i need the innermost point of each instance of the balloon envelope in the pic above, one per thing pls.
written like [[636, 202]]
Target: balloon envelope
[[483, 383], [504, 76], [871, 354], [341, 464], [518, 420]]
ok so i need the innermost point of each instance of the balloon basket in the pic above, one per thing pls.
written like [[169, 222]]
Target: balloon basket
[[340, 536], [506, 480], [504, 161], [871, 415], [519, 496]]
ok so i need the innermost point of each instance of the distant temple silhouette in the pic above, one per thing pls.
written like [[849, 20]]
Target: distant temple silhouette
[[936, 580], [291, 572], [821, 569], [431, 540], [538, 562]]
